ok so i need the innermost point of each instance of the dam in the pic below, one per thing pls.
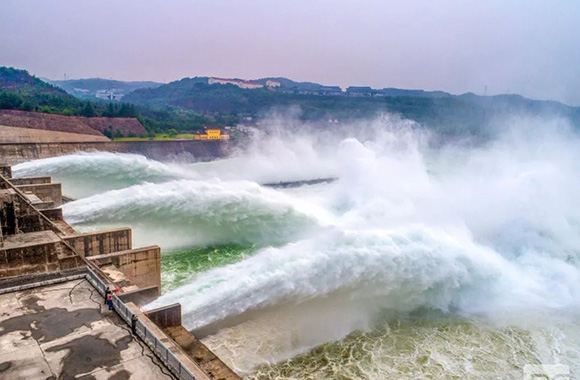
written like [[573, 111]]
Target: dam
[[329, 279], [53, 282], [26, 136], [14, 153]]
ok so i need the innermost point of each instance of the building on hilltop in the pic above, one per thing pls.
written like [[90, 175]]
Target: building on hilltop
[[330, 90], [211, 134], [109, 94], [248, 85], [355, 91], [237, 82]]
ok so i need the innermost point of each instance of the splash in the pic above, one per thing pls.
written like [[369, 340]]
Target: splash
[[488, 232], [87, 174], [485, 237], [181, 213]]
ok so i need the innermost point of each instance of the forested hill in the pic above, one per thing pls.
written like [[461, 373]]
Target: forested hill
[[449, 114], [20, 90], [88, 88], [191, 103]]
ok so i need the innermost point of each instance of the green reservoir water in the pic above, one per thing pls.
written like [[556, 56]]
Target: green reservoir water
[[181, 266]]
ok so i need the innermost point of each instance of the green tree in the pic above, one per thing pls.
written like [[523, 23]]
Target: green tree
[[8, 100], [88, 110], [26, 106], [110, 111], [127, 110], [172, 133], [108, 132], [118, 134]]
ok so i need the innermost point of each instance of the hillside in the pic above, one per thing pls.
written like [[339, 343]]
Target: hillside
[[21, 93], [94, 126], [20, 90], [448, 114], [98, 88], [190, 103]]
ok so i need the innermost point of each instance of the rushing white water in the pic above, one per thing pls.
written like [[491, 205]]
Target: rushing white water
[[184, 212], [490, 232], [485, 238], [88, 174]]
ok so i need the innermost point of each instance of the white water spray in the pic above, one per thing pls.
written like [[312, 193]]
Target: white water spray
[[489, 231]]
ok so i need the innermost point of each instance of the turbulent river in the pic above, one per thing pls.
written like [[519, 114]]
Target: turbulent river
[[420, 261]]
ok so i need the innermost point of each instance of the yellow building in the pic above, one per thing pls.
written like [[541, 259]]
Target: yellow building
[[212, 134]]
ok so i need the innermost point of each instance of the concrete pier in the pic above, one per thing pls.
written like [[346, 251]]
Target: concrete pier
[[53, 323]]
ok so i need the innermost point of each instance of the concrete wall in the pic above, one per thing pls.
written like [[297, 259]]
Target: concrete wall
[[48, 192], [17, 215], [41, 277], [101, 242], [30, 180], [40, 258], [44, 205], [6, 171], [141, 297], [166, 316], [14, 153], [52, 213], [25, 135], [142, 266]]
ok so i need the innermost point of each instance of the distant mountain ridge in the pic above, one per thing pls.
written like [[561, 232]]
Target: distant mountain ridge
[[441, 111], [190, 103], [98, 88]]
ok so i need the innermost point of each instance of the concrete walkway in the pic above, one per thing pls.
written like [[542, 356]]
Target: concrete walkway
[[65, 332]]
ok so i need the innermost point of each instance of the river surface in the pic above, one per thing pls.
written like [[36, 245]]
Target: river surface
[[416, 263]]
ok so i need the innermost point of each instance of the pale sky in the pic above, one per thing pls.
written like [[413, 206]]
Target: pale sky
[[530, 47]]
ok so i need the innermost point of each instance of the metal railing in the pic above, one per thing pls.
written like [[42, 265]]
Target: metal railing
[[37, 284], [159, 348]]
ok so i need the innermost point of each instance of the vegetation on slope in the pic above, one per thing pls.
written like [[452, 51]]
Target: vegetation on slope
[[446, 113], [190, 103], [88, 88], [22, 91]]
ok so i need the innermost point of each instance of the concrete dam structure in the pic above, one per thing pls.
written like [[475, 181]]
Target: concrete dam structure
[[53, 282], [14, 153], [26, 136]]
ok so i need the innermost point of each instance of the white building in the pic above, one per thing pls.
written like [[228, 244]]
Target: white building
[[236, 82]]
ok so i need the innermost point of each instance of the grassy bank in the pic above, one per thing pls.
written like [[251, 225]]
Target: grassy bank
[[159, 136]]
